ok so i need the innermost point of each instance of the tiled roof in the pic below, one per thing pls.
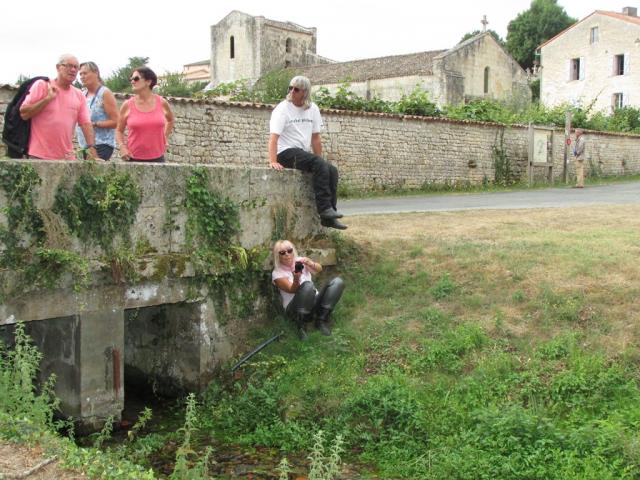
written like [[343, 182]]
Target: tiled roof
[[620, 16], [382, 67], [202, 62], [616, 15]]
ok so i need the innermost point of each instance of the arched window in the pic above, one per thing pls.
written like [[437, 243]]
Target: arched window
[[486, 79], [287, 45], [232, 47]]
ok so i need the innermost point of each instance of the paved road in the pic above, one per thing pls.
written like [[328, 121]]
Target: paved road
[[616, 194]]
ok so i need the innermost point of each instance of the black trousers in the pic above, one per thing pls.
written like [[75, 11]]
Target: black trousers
[[325, 175], [306, 301]]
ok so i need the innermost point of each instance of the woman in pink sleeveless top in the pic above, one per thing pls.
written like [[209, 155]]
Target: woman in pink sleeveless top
[[147, 118]]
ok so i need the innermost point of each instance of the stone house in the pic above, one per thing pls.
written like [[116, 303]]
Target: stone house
[[476, 68], [248, 47], [197, 71], [596, 60]]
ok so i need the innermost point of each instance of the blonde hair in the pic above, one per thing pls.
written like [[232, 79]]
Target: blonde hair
[[92, 67], [282, 245]]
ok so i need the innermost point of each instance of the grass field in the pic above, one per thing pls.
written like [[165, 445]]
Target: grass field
[[467, 345]]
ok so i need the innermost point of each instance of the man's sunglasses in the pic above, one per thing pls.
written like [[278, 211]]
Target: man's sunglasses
[[134, 79], [295, 89], [284, 252]]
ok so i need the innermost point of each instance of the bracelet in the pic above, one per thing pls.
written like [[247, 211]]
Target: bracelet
[[90, 146]]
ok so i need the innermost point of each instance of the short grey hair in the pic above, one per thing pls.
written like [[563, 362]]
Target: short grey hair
[[64, 57], [304, 84]]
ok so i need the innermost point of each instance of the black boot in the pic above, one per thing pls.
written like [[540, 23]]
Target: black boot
[[332, 223], [322, 321], [300, 327]]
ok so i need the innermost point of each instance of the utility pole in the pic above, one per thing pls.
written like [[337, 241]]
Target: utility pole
[[567, 144]]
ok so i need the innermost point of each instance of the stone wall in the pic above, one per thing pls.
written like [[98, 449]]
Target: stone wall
[[378, 150]]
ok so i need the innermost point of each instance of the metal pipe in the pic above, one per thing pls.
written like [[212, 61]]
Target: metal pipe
[[256, 350]]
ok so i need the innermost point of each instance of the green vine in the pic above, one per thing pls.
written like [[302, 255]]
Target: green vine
[[26, 260], [504, 174], [213, 225], [99, 208], [24, 227]]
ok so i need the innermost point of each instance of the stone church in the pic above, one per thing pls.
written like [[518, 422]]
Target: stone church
[[248, 47]]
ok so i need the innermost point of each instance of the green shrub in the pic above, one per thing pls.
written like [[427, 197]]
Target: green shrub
[[417, 103], [27, 407]]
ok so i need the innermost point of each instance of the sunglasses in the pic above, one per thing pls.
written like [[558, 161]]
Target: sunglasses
[[295, 89], [134, 79], [284, 252]]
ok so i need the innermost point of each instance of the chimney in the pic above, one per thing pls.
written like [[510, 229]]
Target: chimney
[[630, 11]]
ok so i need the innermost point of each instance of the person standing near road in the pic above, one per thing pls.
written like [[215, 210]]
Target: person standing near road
[[55, 108], [578, 154], [294, 130]]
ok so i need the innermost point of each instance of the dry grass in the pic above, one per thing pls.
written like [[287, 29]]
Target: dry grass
[[526, 273]]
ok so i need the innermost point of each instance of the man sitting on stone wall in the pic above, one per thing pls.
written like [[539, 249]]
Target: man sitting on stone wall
[[295, 128]]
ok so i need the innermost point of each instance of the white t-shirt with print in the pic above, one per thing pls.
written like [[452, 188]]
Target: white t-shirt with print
[[295, 125]]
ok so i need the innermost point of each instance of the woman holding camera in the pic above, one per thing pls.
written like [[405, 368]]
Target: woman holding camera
[[300, 299]]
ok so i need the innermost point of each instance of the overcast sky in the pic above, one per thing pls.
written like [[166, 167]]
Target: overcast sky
[[174, 33]]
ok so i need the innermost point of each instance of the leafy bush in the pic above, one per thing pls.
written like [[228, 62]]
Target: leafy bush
[[417, 103]]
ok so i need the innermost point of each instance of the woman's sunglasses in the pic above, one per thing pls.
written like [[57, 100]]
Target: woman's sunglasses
[[134, 79], [284, 252], [295, 89]]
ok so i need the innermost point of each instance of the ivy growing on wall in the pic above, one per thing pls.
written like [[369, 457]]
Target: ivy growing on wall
[[27, 258], [213, 225], [99, 208]]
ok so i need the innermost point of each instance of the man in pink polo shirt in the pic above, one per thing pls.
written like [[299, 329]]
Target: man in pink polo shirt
[[55, 108]]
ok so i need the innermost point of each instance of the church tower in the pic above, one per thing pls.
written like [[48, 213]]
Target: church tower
[[247, 47]]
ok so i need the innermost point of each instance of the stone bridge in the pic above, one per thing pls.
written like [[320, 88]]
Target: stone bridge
[[145, 302]]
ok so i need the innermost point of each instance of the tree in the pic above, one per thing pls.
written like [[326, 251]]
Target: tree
[[119, 80], [173, 84], [543, 20], [493, 33]]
